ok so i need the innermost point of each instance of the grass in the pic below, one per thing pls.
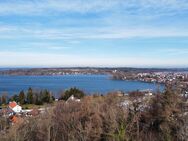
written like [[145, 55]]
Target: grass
[[31, 106], [28, 106]]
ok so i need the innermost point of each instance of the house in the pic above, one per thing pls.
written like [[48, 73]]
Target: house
[[14, 119], [148, 94], [72, 98], [126, 103], [15, 107], [119, 93]]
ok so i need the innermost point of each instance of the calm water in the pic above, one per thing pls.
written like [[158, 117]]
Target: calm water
[[88, 83]]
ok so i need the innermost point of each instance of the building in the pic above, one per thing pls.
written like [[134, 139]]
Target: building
[[72, 99], [15, 107]]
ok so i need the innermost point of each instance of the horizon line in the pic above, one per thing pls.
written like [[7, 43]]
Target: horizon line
[[131, 67]]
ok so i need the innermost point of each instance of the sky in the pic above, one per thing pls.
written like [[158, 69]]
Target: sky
[[93, 33]]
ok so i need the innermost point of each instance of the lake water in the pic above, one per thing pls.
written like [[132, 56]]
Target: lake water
[[88, 83]]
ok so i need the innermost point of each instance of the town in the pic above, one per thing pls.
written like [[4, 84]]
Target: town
[[180, 78]]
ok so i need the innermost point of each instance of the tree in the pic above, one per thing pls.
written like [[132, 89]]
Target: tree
[[30, 96], [72, 91], [39, 99], [4, 99], [14, 98], [22, 97], [0, 101], [46, 96], [163, 116]]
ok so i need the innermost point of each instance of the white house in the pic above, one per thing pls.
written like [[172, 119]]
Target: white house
[[72, 98], [15, 107]]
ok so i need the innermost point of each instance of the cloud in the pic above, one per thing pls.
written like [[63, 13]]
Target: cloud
[[11, 59], [38, 7], [123, 19], [174, 51], [44, 45], [31, 25], [91, 33]]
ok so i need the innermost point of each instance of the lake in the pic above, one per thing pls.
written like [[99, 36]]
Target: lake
[[88, 83]]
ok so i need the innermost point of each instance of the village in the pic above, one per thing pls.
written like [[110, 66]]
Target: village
[[166, 78], [14, 113]]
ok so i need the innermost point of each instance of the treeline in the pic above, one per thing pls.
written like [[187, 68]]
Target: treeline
[[40, 97], [30, 97], [162, 117]]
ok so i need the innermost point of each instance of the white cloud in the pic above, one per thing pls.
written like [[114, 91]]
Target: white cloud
[[113, 19], [44, 45], [174, 51], [82, 6], [60, 60], [90, 33], [120, 10]]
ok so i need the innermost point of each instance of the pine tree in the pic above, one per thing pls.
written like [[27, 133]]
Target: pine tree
[[14, 98], [46, 96], [0, 101], [30, 96], [22, 97], [4, 99]]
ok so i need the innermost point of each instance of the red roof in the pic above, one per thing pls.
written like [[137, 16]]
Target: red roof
[[12, 104], [14, 119]]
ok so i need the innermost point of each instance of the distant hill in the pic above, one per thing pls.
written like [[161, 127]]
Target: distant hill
[[82, 70]]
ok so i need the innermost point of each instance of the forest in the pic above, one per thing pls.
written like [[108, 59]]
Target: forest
[[161, 117]]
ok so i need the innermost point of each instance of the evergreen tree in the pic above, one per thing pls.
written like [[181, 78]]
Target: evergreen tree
[[4, 99], [30, 96], [22, 97], [38, 99], [46, 96], [0, 101], [14, 98]]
